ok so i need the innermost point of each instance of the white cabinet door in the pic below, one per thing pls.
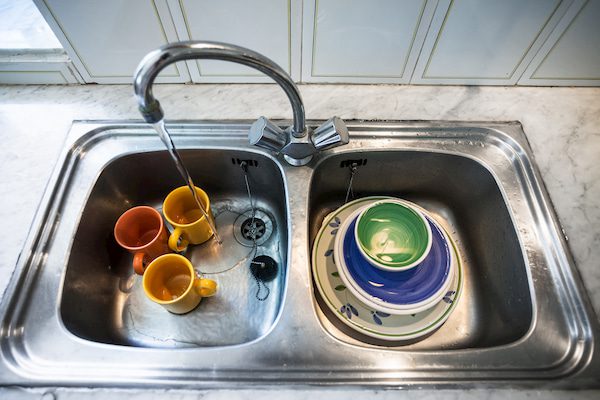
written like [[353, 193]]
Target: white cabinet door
[[107, 39], [571, 55], [363, 41], [270, 27], [485, 41]]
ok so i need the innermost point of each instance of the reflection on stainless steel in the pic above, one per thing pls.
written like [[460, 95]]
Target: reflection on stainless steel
[[523, 319], [330, 134]]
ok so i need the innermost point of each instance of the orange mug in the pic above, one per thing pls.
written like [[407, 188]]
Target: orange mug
[[142, 232]]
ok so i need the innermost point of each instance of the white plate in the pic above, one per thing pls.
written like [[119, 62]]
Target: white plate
[[354, 313]]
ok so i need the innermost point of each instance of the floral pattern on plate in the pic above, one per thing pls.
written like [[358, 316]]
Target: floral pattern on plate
[[354, 313]]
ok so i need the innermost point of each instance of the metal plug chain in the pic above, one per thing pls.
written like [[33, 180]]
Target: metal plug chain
[[244, 166], [349, 192], [259, 283]]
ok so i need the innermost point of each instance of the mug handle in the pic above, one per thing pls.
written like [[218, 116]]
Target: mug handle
[[205, 287], [138, 263], [174, 238]]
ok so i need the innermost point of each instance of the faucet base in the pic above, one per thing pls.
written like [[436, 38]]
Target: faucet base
[[297, 162]]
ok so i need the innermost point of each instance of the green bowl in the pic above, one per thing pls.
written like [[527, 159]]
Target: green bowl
[[392, 235]]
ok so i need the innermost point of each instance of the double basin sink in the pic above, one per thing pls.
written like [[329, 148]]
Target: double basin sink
[[74, 314]]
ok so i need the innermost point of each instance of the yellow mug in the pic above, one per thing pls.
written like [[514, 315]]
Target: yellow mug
[[170, 280], [182, 212]]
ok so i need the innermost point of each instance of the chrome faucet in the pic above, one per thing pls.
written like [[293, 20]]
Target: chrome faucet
[[297, 143]]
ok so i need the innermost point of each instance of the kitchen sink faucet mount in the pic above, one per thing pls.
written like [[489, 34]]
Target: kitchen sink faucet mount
[[298, 143]]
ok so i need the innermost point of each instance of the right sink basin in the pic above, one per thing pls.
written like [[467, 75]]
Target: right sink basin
[[462, 194]]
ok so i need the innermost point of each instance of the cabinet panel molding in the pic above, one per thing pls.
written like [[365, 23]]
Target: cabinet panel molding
[[485, 41], [270, 27], [35, 73], [363, 41], [571, 55], [456, 42], [106, 40]]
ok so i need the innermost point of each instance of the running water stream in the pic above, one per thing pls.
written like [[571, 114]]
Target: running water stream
[[166, 139]]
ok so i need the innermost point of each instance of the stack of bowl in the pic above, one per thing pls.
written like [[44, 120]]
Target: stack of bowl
[[397, 263]]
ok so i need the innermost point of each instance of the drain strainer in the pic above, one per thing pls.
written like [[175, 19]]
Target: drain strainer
[[248, 230], [253, 228]]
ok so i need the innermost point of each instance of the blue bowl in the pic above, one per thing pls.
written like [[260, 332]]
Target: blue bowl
[[408, 287]]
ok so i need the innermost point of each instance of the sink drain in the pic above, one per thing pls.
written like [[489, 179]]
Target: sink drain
[[249, 230], [253, 228]]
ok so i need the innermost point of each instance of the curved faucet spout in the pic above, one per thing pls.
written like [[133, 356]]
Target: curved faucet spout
[[158, 59], [297, 144]]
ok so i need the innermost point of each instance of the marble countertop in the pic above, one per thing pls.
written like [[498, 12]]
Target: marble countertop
[[561, 124]]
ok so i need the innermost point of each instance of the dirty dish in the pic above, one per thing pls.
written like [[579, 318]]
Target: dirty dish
[[141, 231], [392, 235], [190, 225], [360, 317], [171, 281], [402, 292]]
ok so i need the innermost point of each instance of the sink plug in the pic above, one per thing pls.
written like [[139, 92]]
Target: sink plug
[[263, 269]]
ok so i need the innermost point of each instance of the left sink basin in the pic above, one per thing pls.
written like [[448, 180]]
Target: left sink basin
[[84, 287], [103, 301]]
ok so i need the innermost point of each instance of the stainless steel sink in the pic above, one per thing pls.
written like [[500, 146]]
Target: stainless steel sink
[[73, 315], [103, 301], [497, 307]]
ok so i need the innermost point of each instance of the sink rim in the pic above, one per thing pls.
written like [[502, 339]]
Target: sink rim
[[25, 366]]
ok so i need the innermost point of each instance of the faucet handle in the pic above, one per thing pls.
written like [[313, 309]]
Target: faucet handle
[[331, 133], [263, 133]]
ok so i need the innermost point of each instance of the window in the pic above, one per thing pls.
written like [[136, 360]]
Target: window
[[29, 51], [23, 27]]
